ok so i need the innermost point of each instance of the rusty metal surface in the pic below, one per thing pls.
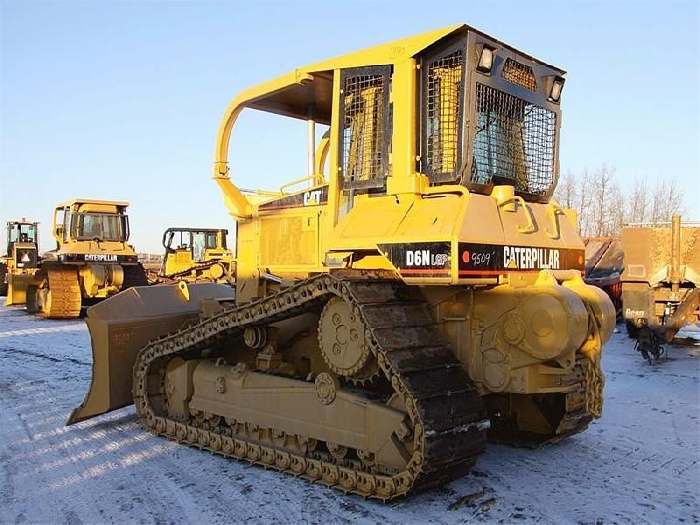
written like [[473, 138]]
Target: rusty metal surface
[[651, 247], [604, 257]]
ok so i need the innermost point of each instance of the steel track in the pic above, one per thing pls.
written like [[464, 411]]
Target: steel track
[[446, 414]]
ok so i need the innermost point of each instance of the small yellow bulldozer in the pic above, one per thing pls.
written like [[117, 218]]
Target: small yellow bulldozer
[[421, 293], [195, 254], [19, 264], [91, 262]]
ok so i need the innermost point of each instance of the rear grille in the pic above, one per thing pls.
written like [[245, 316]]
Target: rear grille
[[288, 241], [519, 74], [513, 143]]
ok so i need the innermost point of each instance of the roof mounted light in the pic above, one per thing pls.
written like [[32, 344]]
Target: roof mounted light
[[487, 55], [555, 88]]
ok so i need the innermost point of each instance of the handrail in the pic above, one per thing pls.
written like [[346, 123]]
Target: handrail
[[552, 209], [529, 227], [286, 185]]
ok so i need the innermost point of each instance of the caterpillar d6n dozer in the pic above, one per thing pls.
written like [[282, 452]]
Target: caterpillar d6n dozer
[[195, 254], [92, 260], [18, 266], [422, 291]]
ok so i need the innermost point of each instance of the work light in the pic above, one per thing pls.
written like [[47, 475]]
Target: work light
[[486, 57], [555, 90]]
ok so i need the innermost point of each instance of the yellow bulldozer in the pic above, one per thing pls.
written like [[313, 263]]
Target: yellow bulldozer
[[195, 254], [19, 264], [91, 262], [420, 294]]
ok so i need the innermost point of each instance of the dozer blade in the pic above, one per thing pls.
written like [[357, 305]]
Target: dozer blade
[[17, 288], [121, 325]]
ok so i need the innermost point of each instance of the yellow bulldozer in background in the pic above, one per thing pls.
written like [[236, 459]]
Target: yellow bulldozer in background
[[91, 262], [195, 254], [423, 292], [19, 264]]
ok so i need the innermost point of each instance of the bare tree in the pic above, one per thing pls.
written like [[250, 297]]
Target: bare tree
[[595, 197], [584, 201], [638, 207], [616, 212], [602, 191], [653, 205], [573, 192], [565, 192], [603, 207], [665, 201]]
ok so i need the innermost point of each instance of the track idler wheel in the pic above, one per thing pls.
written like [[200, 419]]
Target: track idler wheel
[[342, 341]]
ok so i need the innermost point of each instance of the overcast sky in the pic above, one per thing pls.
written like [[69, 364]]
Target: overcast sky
[[122, 100]]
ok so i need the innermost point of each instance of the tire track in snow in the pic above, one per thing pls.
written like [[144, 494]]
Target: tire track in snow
[[46, 356], [44, 330]]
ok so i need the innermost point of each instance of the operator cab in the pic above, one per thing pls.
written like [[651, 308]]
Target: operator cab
[[22, 243], [100, 221], [485, 114], [455, 106], [194, 241], [21, 232]]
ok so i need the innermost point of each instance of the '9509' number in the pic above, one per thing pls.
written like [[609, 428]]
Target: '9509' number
[[480, 259]]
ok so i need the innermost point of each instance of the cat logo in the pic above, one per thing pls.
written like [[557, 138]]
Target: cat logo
[[525, 258], [101, 257], [312, 198], [24, 257]]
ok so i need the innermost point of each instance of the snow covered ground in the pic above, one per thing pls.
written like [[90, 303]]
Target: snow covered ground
[[639, 464]]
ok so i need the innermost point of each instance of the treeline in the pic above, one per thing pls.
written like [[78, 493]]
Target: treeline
[[603, 206]]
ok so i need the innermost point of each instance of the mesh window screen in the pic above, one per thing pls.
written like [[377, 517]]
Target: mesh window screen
[[519, 74], [443, 115], [513, 142], [365, 122]]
